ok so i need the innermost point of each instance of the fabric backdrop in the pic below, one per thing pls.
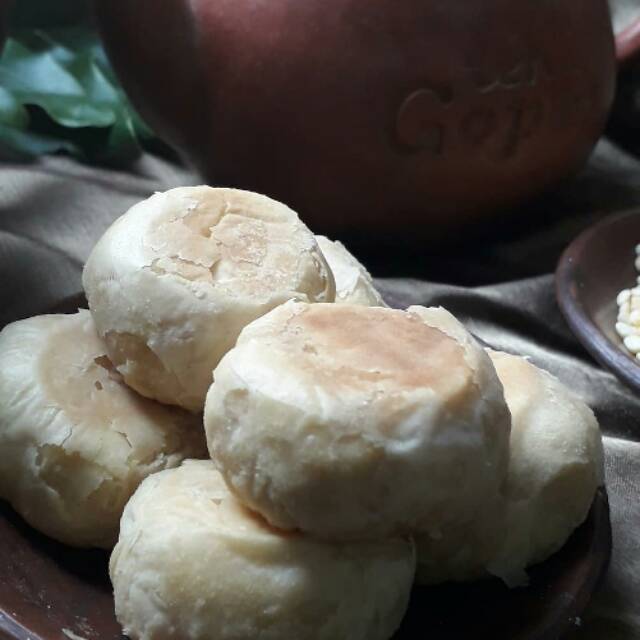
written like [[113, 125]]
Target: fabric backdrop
[[498, 280]]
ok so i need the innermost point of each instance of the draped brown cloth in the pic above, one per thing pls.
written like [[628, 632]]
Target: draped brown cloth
[[498, 280]]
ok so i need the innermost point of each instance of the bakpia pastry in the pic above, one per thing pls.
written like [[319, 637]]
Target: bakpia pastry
[[555, 466], [75, 440], [354, 284], [340, 421], [193, 563], [174, 280]]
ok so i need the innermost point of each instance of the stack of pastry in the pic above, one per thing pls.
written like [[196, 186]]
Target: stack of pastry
[[351, 449]]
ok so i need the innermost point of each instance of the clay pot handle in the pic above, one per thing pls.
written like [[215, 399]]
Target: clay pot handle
[[628, 42]]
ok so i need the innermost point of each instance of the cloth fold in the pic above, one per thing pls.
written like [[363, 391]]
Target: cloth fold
[[52, 212]]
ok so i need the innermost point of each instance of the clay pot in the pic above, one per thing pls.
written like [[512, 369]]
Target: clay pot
[[390, 116]]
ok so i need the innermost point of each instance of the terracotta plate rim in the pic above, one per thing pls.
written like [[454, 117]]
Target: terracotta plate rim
[[607, 353]]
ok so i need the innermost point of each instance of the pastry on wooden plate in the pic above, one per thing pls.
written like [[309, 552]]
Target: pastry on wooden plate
[[352, 422], [175, 279], [75, 440], [193, 563]]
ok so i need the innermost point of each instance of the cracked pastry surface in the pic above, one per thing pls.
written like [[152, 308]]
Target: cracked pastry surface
[[354, 284], [193, 563], [174, 280], [338, 420], [75, 440], [555, 466]]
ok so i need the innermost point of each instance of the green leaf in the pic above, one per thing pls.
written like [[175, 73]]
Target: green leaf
[[22, 70], [97, 87], [37, 78], [12, 113], [65, 44], [22, 145], [58, 89], [123, 141]]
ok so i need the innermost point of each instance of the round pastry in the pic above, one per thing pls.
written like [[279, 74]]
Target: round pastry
[[193, 563], [463, 552], [556, 464], [354, 284], [555, 467], [174, 280], [351, 422], [75, 440]]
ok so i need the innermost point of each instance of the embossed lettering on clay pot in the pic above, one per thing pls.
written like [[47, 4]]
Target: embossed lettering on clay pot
[[384, 115]]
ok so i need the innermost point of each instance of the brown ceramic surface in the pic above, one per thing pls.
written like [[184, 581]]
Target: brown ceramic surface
[[46, 587], [372, 115], [591, 272]]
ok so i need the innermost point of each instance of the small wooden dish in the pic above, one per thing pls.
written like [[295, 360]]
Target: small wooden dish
[[593, 269]]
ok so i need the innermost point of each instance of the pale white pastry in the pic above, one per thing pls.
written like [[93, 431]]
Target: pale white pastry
[[354, 284], [461, 552], [75, 440], [555, 467], [193, 563], [174, 280], [352, 422], [556, 464]]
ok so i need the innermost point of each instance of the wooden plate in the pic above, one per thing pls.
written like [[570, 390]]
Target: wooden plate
[[594, 268], [51, 592]]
